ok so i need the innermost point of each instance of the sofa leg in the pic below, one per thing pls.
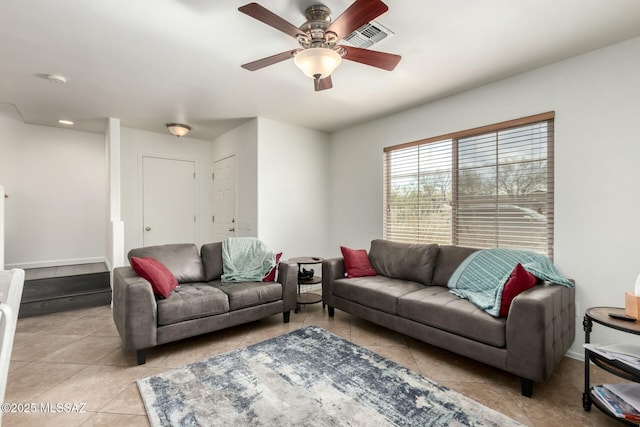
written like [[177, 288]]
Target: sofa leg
[[331, 311], [141, 356], [286, 316], [526, 387]]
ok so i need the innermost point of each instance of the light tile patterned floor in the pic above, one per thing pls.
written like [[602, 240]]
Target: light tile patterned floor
[[75, 357]]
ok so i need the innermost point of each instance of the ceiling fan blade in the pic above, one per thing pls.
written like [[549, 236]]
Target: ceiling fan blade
[[385, 61], [322, 84], [269, 60], [264, 15], [361, 12]]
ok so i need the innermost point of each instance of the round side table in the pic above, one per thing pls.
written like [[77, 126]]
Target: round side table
[[600, 315], [307, 298]]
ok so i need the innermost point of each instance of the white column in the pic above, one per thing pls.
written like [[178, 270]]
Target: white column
[[115, 252]]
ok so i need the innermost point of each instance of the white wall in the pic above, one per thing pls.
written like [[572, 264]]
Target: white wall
[[293, 193], [56, 182], [282, 192], [134, 144], [242, 142], [595, 97]]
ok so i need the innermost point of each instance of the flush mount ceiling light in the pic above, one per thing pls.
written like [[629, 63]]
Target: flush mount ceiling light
[[57, 79], [318, 62], [65, 122], [178, 129]]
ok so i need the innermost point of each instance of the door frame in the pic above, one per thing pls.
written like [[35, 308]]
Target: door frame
[[140, 191]]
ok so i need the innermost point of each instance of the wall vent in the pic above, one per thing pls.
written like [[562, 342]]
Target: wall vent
[[368, 35]]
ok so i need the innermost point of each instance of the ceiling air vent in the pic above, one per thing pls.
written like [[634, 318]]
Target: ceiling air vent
[[367, 35]]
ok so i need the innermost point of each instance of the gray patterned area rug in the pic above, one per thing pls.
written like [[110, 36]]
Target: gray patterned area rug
[[308, 377]]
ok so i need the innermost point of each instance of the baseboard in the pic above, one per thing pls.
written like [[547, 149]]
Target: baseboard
[[575, 355], [55, 263]]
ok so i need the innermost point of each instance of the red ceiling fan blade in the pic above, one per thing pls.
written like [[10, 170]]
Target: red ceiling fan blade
[[322, 84], [270, 60], [262, 14], [361, 12], [386, 61]]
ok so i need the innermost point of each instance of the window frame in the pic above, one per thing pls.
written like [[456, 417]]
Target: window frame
[[547, 117]]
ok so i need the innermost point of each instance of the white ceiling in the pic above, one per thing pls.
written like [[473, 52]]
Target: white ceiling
[[148, 62]]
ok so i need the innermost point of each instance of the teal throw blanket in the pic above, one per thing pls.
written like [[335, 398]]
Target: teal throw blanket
[[245, 259], [482, 275]]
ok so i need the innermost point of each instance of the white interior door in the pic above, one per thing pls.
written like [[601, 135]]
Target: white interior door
[[169, 201], [224, 199]]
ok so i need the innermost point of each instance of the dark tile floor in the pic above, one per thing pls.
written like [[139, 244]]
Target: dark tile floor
[[75, 357]]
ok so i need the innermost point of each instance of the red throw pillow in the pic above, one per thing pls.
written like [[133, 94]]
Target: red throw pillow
[[161, 279], [519, 281], [356, 262], [271, 275]]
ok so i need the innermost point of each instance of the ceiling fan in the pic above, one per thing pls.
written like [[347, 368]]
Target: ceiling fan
[[320, 54]]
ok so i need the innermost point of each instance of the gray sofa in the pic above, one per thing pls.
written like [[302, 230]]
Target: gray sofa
[[410, 295], [200, 304]]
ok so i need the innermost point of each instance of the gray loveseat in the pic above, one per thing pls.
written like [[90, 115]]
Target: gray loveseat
[[410, 295], [200, 304]]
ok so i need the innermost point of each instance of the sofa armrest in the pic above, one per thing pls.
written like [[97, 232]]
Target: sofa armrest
[[288, 277], [134, 309], [332, 269], [540, 329]]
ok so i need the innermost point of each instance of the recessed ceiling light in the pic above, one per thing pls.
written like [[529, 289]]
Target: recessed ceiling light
[[65, 122], [57, 79]]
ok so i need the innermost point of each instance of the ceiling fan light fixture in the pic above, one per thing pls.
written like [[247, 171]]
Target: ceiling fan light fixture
[[318, 62], [178, 129]]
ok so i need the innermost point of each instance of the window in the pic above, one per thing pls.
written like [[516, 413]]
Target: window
[[489, 187]]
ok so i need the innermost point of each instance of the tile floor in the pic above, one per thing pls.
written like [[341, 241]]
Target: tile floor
[[75, 357]]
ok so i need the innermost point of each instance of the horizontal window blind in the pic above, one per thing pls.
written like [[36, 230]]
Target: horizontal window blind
[[418, 196], [485, 187]]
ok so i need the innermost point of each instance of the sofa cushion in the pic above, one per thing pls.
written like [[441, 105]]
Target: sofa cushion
[[436, 306], [212, 260], [182, 259], [161, 279], [377, 292], [449, 258], [405, 261], [192, 301], [249, 294], [356, 262]]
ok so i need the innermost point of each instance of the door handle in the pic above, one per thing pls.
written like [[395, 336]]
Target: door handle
[[232, 229], [148, 228]]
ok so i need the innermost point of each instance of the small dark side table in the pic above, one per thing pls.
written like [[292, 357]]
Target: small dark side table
[[601, 316], [306, 298]]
